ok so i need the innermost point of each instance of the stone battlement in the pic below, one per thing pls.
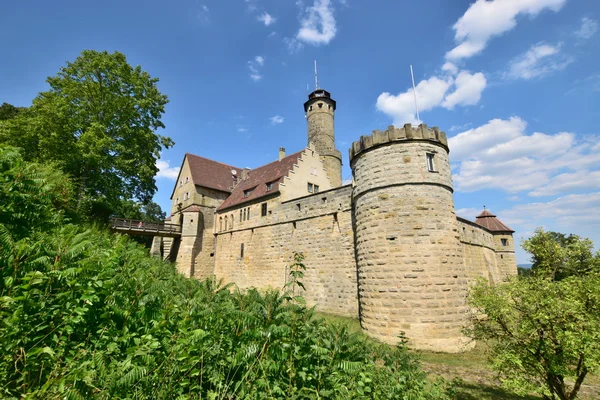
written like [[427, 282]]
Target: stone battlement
[[392, 134]]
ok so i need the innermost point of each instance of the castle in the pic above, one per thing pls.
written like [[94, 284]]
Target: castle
[[387, 248]]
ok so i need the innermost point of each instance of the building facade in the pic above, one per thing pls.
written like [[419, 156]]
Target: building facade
[[387, 248]]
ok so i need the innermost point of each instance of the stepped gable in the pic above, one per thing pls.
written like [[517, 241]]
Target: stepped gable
[[491, 223], [258, 178], [212, 174]]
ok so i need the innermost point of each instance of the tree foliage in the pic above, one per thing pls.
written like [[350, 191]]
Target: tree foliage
[[544, 329], [85, 314], [8, 111], [98, 124]]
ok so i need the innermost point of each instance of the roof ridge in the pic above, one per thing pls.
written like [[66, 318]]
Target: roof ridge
[[209, 159]]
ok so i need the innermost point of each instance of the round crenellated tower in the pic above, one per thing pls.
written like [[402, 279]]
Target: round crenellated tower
[[320, 115], [410, 268]]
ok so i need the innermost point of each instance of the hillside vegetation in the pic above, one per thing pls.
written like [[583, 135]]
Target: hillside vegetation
[[87, 314]]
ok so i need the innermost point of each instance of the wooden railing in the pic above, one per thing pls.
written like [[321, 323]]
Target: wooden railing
[[144, 227]]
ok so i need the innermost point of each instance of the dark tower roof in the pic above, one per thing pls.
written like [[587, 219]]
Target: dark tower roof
[[490, 222], [318, 94]]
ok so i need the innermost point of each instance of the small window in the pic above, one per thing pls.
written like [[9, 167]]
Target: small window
[[269, 186], [504, 242], [242, 250], [310, 108], [430, 162], [310, 188], [177, 201], [245, 217], [316, 187], [248, 212], [240, 215], [231, 222], [187, 179], [180, 183], [226, 222], [263, 209], [220, 224]]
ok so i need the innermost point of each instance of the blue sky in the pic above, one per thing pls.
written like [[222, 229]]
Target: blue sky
[[514, 83]]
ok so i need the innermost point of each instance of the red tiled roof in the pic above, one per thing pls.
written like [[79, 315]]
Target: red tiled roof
[[257, 180], [210, 174], [490, 222]]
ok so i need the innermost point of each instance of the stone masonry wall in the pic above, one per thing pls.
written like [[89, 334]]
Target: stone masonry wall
[[412, 277], [478, 252], [318, 225]]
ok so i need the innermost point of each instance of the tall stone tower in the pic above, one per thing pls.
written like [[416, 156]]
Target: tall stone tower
[[320, 113], [411, 273]]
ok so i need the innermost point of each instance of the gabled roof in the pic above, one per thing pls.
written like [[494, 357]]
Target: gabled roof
[[257, 180], [210, 174], [490, 222]]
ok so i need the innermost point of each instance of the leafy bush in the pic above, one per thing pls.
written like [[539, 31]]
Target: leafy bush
[[86, 314], [544, 329]]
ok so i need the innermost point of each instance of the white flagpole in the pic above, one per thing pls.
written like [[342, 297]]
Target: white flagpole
[[414, 93]]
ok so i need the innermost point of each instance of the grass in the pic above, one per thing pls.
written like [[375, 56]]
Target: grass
[[468, 372]]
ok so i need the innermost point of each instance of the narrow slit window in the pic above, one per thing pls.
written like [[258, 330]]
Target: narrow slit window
[[263, 209], [242, 250], [248, 212], [430, 162], [245, 216], [241, 215]]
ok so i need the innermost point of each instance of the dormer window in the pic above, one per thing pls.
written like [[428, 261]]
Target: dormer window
[[269, 186], [248, 191]]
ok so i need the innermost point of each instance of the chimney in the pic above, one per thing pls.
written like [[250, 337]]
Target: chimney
[[281, 153], [245, 173]]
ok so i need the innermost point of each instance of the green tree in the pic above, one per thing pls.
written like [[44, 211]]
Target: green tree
[[557, 256], [544, 332], [98, 123], [8, 111]]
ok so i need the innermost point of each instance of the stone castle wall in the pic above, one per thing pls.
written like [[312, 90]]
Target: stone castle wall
[[319, 226], [478, 252]]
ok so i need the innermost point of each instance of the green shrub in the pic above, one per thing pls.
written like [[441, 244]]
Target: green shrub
[[86, 314]]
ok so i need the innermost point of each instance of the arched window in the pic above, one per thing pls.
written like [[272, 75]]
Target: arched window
[[240, 215], [245, 214], [220, 224], [231, 224], [226, 222]]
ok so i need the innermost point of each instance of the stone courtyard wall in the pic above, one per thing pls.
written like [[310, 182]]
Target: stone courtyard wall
[[478, 252], [319, 226]]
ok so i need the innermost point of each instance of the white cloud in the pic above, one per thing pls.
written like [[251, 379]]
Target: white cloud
[[587, 29], [318, 25], [254, 67], [267, 19], [401, 107], [485, 19], [570, 211], [432, 93], [241, 129], [450, 68], [278, 119], [165, 171], [568, 182], [468, 90], [540, 60], [204, 14], [293, 45], [500, 155]]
